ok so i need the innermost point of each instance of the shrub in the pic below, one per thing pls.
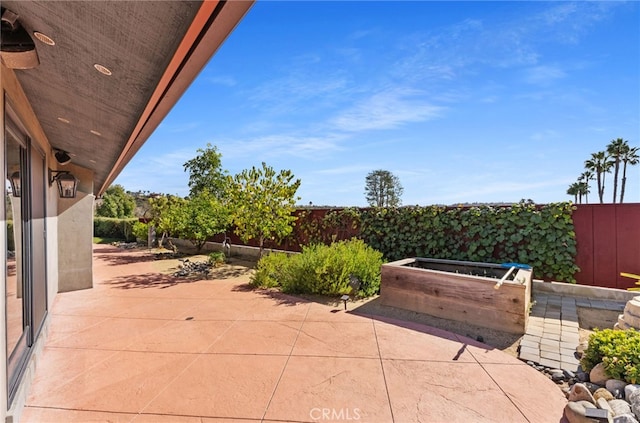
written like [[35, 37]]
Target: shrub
[[618, 350], [269, 270], [107, 227], [216, 259], [323, 269], [140, 231]]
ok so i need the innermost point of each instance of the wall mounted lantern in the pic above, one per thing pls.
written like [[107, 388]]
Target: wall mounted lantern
[[16, 187], [67, 183]]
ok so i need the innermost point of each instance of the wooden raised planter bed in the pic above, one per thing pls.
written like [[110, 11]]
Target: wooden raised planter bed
[[459, 290]]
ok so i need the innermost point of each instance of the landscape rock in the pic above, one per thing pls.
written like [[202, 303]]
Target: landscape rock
[[189, 268], [625, 418], [603, 393], [619, 407], [575, 412], [597, 375], [592, 386], [557, 378], [615, 385], [582, 376], [579, 392], [618, 394], [634, 401], [629, 389], [580, 349], [604, 405]]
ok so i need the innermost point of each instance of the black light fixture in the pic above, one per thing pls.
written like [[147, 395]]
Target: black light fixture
[[67, 183], [62, 157], [17, 49], [16, 185]]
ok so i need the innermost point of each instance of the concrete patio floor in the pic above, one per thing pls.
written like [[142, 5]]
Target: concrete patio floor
[[142, 346]]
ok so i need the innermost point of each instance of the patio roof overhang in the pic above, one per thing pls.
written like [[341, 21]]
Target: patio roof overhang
[[153, 50]]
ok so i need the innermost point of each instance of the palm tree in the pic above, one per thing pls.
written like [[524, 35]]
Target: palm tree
[[631, 158], [583, 189], [573, 190], [599, 163], [615, 150], [584, 178]]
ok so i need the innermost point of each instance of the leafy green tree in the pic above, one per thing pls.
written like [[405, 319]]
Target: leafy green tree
[[116, 203], [383, 189], [201, 217], [615, 150], [205, 172], [166, 214], [263, 203], [629, 157], [599, 163]]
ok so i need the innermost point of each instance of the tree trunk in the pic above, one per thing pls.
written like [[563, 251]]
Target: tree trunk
[[261, 246], [600, 190], [624, 181], [615, 180]]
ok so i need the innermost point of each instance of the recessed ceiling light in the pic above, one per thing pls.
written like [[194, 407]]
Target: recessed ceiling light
[[102, 69], [63, 120], [44, 38], [95, 133], [92, 161]]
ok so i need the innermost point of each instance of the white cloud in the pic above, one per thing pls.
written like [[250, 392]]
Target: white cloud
[[545, 135], [385, 110], [281, 146], [543, 75], [224, 80]]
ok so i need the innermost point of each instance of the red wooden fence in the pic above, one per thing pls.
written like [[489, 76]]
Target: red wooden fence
[[608, 242]]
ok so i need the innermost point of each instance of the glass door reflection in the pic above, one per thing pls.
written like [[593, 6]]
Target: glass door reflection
[[16, 322]]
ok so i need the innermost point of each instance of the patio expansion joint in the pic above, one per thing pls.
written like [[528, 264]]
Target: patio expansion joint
[[509, 397], [384, 376], [284, 367]]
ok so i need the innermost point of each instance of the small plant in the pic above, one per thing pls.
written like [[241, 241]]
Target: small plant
[[216, 259], [618, 350]]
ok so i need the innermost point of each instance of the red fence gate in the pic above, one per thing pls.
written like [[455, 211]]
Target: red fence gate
[[608, 242]]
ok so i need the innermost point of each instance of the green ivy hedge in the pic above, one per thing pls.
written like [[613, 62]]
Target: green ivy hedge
[[540, 236], [108, 227]]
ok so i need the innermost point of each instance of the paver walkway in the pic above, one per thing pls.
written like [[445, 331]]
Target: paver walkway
[[552, 331], [146, 347]]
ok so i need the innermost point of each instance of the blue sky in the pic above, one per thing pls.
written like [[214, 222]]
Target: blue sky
[[463, 101]]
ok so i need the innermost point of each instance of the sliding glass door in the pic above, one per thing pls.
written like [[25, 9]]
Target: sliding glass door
[[25, 273]]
